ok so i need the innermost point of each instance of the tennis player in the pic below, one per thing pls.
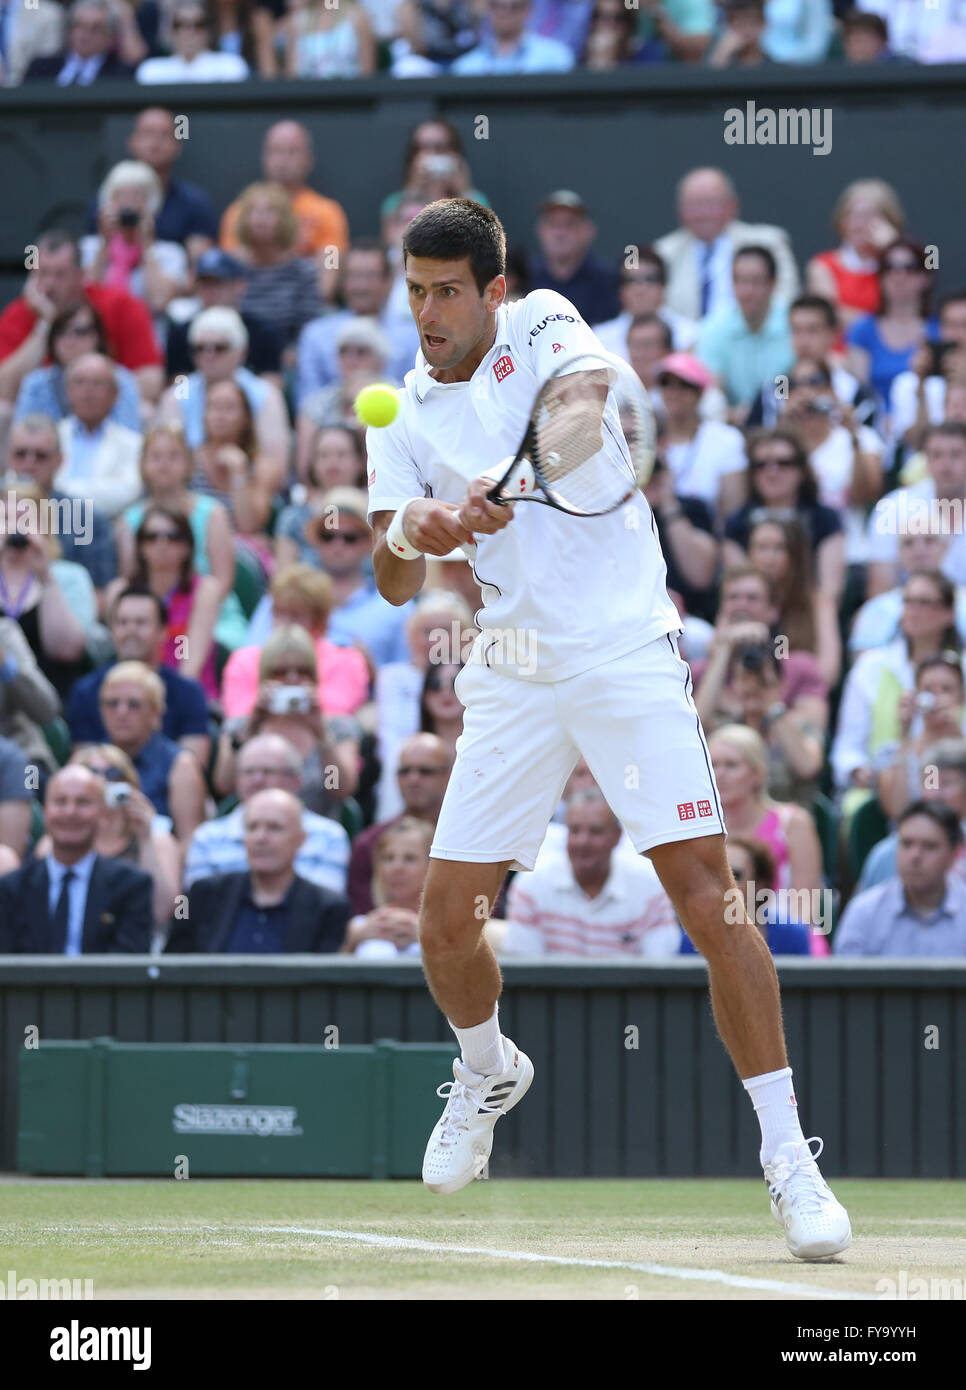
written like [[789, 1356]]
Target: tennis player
[[577, 655]]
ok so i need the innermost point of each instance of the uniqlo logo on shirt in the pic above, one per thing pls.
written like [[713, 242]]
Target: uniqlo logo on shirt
[[503, 366], [704, 808], [686, 810]]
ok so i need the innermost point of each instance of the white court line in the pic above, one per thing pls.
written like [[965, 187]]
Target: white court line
[[707, 1276]]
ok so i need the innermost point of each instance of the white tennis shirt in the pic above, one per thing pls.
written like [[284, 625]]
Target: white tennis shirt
[[561, 594]]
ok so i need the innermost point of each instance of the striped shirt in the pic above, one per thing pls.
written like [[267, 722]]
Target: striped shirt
[[549, 913], [218, 847]]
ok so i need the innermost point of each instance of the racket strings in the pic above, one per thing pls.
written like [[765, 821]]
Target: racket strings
[[580, 452]]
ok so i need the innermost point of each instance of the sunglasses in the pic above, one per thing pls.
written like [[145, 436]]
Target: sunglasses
[[904, 267], [915, 602], [413, 771], [217, 348], [779, 460], [171, 536], [436, 682], [188, 24], [349, 537], [110, 774], [25, 452], [652, 279]]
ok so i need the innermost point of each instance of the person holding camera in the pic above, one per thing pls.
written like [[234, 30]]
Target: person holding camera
[[129, 828], [918, 397], [132, 707], [124, 252], [845, 456], [927, 714], [287, 703]]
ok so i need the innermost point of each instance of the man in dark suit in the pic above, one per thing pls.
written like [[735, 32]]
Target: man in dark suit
[[89, 55], [75, 902], [269, 909]]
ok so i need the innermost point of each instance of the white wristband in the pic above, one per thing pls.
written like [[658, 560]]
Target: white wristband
[[396, 537]]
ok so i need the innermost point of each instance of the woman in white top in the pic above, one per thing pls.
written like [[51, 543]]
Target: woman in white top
[[123, 252], [324, 41], [194, 58]]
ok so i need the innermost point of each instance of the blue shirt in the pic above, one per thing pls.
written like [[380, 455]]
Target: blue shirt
[[532, 54], [885, 363], [77, 896], [185, 707], [745, 360], [218, 847], [153, 763], [592, 289], [318, 356], [43, 392], [784, 937], [880, 922], [260, 930]]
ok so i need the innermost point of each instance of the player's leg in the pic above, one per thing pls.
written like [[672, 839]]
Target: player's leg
[[512, 761], [744, 985], [635, 723], [460, 966]]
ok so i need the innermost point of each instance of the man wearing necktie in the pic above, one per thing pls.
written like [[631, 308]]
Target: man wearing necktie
[[75, 902], [89, 55]]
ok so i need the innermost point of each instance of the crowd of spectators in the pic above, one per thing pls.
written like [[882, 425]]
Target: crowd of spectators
[[216, 735], [184, 41]]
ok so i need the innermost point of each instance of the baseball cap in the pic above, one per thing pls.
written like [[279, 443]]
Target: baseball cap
[[218, 265], [564, 198], [688, 368]]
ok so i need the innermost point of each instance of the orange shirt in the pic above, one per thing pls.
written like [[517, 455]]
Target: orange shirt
[[322, 223]]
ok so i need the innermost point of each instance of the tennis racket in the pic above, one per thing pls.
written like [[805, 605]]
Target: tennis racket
[[589, 444]]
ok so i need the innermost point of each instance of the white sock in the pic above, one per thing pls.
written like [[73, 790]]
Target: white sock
[[482, 1045], [773, 1097]]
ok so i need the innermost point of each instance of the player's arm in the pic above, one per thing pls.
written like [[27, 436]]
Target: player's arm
[[429, 525]]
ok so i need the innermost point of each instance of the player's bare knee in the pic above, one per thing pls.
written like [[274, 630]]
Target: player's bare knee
[[446, 932]]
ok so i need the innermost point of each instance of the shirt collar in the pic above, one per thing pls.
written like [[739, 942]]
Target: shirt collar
[[425, 383], [611, 890], [81, 429], [249, 896], [81, 870], [951, 903]]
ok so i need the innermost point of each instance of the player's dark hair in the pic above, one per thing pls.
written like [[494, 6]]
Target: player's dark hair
[[457, 229], [939, 813], [648, 319], [821, 306], [141, 591], [764, 255]]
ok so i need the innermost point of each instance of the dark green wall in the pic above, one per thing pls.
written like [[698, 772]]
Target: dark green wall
[[885, 1103], [622, 142]]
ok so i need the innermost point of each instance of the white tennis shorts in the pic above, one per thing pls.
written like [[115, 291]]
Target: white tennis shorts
[[632, 718]]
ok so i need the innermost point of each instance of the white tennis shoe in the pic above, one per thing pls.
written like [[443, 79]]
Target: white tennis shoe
[[460, 1145], [815, 1224]]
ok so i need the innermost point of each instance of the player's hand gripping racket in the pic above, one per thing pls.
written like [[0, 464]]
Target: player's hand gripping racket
[[590, 442]]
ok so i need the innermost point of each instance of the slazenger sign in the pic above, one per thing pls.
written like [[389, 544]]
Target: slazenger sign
[[265, 1120]]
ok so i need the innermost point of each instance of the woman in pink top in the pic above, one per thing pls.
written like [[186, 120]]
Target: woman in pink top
[[739, 758], [302, 597]]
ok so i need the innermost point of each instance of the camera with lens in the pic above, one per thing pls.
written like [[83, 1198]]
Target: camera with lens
[[290, 699], [128, 217], [117, 794], [17, 541], [752, 658]]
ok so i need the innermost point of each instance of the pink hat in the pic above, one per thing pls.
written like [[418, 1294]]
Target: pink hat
[[688, 368]]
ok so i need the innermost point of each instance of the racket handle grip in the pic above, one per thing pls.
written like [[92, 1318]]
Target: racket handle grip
[[519, 483]]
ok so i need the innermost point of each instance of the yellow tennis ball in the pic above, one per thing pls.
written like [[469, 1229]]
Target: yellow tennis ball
[[377, 406]]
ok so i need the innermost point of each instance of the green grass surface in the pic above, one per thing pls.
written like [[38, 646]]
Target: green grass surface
[[221, 1239]]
